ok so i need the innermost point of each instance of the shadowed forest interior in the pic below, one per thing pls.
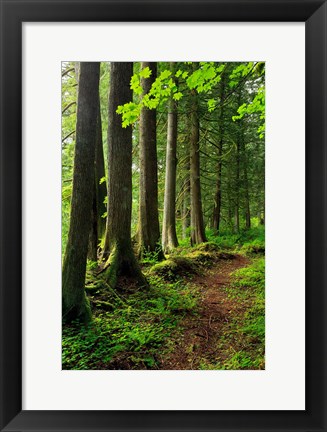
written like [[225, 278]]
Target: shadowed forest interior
[[163, 215]]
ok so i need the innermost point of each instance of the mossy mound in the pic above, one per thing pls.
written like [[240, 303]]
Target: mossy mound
[[202, 258], [223, 255], [174, 267], [207, 247]]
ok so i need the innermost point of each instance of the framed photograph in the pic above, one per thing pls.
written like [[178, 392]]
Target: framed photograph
[[163, 234]]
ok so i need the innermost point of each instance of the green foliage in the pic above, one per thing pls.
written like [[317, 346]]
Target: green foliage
[[241, 71], [161, 89], [145, 72], [206, 77], [257, 106], [252, 276], [177, 96], [243, 240], [133, 333], [203, 80], [256, 246], [169, 297], [151, 257], [211, 104]]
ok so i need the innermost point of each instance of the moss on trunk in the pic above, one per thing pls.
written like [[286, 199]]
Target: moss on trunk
[[118, 252], [75, 305]]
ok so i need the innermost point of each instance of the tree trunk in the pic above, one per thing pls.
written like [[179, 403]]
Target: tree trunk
[[217, 200], [246, 183], [74, 303], [169, 237], [100, 174], [121, 260], [98, 225], [92, 253], [237, 190], [186, 204], [197, 226], [148, 230]]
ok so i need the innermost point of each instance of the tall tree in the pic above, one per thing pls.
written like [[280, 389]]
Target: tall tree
[[237, 189], [197, 225], [245, 177], [148, 230], [118, 252], [238, 168], [98, 224], [169, 237], [186, 207], [74, 302], [217, 198]]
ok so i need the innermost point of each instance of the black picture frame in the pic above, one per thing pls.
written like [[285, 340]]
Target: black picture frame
[[13, 14]]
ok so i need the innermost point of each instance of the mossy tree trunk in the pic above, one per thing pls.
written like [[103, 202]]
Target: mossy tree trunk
[[148, 229], [197, 225], [118, 253], [169, 237], [74, 303]]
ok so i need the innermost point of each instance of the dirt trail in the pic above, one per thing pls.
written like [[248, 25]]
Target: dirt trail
[[201, 333]]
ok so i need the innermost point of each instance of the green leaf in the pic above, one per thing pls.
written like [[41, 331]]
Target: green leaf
[[177, 96], [146, 72], [164, 75], [211, 105]]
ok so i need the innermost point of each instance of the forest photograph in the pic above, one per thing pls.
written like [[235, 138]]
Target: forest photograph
[[163, 215]]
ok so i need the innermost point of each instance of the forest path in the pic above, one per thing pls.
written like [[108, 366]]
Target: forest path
[[201, 334]]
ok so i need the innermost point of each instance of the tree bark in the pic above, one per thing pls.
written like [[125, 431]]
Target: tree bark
[[169, 236], [98, 225], [246, 181], [237, 190], [92, 253], [118, 252], [74, 303], [197, 226], [186, 204], [148, 230], [217, 199], [100, 174]]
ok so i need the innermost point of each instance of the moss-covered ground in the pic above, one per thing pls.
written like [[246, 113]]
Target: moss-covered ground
[[204, 309]]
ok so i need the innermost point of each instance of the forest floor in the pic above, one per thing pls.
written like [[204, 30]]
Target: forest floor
[[204, 309], [199, 339]]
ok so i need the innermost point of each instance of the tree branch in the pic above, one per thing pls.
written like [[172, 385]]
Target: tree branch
[[68, 106], [67, 71], [67, 136]]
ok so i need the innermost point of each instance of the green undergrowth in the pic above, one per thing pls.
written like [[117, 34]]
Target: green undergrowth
[[249, 242], [242, 345], [188, 261], [135, 329], [133, 333]]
